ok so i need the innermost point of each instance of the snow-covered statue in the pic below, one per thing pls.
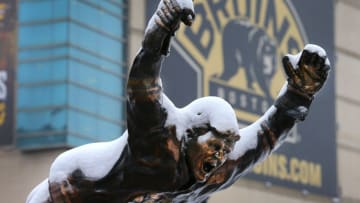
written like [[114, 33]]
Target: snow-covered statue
[[171, 154]]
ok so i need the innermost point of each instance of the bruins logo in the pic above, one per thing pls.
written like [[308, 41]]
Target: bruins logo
[[255, 52], [236, 45]]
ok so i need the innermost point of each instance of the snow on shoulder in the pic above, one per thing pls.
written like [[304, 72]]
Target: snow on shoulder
[[87, 159]]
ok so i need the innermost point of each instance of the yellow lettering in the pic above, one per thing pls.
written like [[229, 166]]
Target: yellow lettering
[[303, 172], [272, 164], [2, 113], [282, 160], [294, 170], [2, 9], [294, 167], [315, 175], [258, 168]]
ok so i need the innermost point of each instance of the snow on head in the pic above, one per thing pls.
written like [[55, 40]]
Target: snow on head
[[214, 111]]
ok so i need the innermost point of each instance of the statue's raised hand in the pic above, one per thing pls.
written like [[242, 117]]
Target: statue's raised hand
[[171, 12], [307, 71]]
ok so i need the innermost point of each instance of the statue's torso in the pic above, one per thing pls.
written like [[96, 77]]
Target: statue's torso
[[163, 176]]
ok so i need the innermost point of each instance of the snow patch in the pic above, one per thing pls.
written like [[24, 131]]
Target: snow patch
[[283, 90], [248, 136], [203, 138], [186, 4], [327, 62], [294, 59], [313, 48], [87, 159], [40, 193], [151, 24], [206, 110]]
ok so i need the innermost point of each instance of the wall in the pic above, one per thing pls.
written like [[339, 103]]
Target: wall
[[348, 97]]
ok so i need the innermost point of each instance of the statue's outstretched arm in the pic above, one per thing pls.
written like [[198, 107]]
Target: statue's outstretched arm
[[306, 73], [145, 111]]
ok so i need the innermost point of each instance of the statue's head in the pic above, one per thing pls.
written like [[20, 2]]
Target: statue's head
[[211, 135], [207, 149]]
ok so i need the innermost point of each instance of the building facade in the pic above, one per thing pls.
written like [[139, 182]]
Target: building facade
[[70, 74], [80, 63]]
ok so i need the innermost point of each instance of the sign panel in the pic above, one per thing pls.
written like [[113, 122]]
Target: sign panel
[[8, 49], [234, 50]]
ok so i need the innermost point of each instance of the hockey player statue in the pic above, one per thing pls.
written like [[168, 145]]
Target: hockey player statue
[[171, 154]]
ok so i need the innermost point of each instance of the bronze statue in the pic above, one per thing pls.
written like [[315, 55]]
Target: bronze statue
[[170, 154]]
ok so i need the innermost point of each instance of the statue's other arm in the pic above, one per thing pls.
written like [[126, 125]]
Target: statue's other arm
[[306, 72]]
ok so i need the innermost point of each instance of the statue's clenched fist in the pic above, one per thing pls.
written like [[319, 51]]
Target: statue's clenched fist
[[171, 12], [308, 70]]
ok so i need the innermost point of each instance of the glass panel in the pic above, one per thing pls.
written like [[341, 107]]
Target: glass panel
[[42, 10], [119, 1], [73, 140], [37, 121], [41, 96], [94, 78], [111, 108], [95, 42], [44, 141], [42, 71], [95, 18], [105, 5], [97, 104], [108, 131], [103, 63], [42, 53], [92, 127], [43, 34]]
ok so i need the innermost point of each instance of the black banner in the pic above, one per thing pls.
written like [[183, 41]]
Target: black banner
[[234, 50], [8, 49]]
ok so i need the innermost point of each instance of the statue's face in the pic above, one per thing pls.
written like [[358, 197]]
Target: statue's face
[[207, 151]]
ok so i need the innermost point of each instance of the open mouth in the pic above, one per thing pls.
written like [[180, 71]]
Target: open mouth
[[209, 166]]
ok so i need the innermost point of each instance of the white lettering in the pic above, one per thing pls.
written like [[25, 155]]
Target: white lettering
[[3, 89], [221, 92], [232, 97]]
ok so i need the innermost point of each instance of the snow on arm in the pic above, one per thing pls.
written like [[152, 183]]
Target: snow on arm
[[94, 160], [249, 136], [40, 193]]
